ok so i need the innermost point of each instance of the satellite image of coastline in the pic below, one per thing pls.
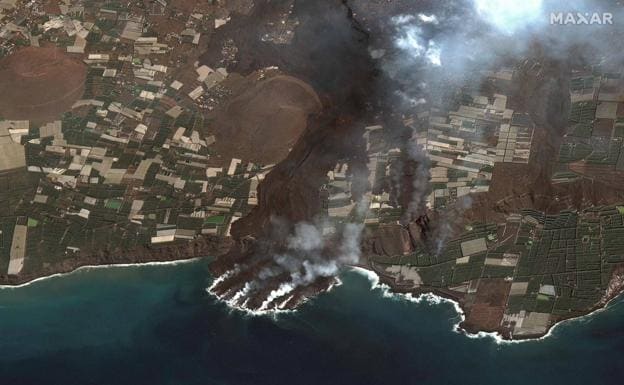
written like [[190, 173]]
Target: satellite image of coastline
[[311, 192]]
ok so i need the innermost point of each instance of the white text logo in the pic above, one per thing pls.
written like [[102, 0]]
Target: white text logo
[[578, 18]]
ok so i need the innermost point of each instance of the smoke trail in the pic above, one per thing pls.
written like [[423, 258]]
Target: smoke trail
[[443, 229], [421, 187], [305, 258]]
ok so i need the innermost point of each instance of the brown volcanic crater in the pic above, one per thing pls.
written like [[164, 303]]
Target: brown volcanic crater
[[39, 83], [262, 123]]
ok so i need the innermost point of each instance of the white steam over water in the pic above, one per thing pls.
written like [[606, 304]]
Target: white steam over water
[[302, 263]]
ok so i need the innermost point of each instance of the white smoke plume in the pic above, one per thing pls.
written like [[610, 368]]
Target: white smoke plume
[[460, 38], [304, 260], [443, 229], [421, 187], [510, 16]]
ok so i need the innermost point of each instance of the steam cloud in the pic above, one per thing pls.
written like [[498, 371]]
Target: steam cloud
[[304, 260]]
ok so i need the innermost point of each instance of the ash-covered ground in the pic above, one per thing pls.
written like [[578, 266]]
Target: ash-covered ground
[[384, 63]]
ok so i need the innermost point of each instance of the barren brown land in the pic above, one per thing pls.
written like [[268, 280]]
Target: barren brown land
[[39, 84], [265, 120]]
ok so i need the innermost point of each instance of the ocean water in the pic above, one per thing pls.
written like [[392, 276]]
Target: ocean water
[[157, 325]]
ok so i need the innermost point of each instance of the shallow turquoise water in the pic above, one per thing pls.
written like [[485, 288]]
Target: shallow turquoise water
[[157, 325]]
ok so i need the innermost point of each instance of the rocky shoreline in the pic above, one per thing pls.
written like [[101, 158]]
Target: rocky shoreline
[[505, 334], [206, 246], [201, 247]]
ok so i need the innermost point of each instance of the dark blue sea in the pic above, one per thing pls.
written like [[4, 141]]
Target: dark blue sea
[[158, 325]]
